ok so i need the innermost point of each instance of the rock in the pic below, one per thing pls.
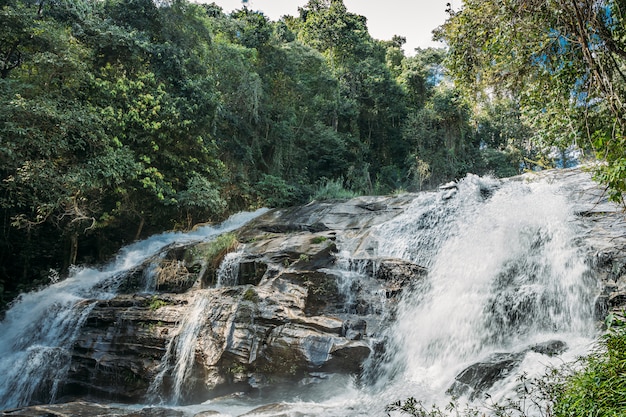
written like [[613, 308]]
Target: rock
[[207, 413], [251, 271], [550, 348], [88, 409], [398, 273], [274, 410], [373, 206], [476, 379], [449, 186], [157, 412], [354, 329], [292, 349], [276, 321]]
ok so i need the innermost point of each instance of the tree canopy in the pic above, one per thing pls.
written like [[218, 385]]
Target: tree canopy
[[122, 118], [563, 61]]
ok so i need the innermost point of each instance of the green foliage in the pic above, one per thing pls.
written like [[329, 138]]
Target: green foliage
[[275, 191], [214, 251], [562, 61], [318, 239], [156, 303], [122, 118], [333, 190], [250, 295], [598, 387]]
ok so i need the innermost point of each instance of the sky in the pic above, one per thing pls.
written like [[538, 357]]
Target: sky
[[413, 19]]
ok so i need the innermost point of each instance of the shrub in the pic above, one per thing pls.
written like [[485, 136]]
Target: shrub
[[599, 387], [333, 189]]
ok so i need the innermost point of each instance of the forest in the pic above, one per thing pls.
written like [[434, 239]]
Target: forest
[[123, 118]]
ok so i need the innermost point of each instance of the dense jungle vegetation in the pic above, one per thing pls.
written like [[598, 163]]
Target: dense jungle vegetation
[[122, 118]]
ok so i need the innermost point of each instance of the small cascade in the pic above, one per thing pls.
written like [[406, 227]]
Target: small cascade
[[38, 332], [355, 283], [149, 276], [228, 271], [418, 234], [177, 363]]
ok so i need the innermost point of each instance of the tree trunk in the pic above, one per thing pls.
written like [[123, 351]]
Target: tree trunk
[[73, 249], [142, 222]]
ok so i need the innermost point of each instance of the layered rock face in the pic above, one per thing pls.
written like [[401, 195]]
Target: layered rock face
[[272, 313]]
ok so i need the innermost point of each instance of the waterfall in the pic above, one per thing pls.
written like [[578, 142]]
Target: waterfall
[[506, 271], [228, 271], [38, 332], [180, 352], [504, 274]]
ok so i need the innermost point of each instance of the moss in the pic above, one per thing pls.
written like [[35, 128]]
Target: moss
[[156, 303], [210, 255], [250, 295], [318, 239]]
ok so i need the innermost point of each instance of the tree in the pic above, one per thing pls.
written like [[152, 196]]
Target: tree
[[562, 60]]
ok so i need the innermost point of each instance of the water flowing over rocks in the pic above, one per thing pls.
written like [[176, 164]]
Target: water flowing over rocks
[[299, 295], [280, 318]]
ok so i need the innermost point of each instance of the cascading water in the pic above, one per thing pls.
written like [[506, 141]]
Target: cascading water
[[504, 273], [228, 270], [178, 359], [38, 331]]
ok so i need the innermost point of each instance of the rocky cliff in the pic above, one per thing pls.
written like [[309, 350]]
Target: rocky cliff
[[264, 309]]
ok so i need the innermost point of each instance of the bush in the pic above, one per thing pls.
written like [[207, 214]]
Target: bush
[[599, 387], [209, 256], [333, 189]]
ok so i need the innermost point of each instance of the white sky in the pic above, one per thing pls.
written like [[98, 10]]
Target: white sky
[[413, 19]]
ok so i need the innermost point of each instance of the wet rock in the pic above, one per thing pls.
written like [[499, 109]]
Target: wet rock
[[373, 206], [207, 413], [89, 409], [251, 271], [274, 410], [157, 412], [354, 329], [397, 274], [550, 348], [476, 379], [452, 185]]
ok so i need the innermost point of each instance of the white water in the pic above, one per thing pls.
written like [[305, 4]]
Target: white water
[[228, 271], [180, 352], [505, 275], [38, 332]]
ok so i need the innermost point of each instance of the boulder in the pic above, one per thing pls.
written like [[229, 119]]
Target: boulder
[[476, 379], [549, 348]]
